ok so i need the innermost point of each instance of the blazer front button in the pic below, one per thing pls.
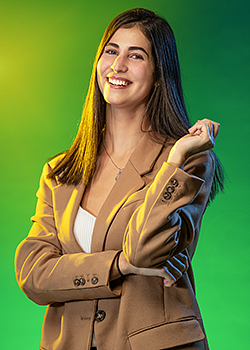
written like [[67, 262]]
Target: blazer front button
[[100, 315], [167, 195], [94, 280], [77, 282]]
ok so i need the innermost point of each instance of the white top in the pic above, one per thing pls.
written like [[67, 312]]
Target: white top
[[83, 231], [83, 228]]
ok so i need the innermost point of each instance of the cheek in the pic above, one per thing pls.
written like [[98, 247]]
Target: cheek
[[147, 79], [144, 74]]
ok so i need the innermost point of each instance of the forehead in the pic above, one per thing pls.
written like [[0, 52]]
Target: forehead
[[126, 37]]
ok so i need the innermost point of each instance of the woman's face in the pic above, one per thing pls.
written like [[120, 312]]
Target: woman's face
[[125, 70]]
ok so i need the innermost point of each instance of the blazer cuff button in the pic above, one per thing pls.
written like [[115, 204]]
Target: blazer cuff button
[[167, 195], [170, 189], [174, 182]]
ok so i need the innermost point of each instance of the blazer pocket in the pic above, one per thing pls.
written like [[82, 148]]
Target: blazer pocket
[[168, 335]]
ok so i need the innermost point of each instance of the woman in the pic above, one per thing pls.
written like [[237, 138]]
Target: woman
[[118, 214]]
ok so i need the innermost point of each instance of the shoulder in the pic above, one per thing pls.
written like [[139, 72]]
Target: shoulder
[[56, 160], [51, 164]]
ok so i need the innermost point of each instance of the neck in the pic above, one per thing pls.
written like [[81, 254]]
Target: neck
[[123, 130]]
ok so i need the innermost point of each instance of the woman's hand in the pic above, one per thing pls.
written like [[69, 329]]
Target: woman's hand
[[175, 268], [170, 272], [201, 137]]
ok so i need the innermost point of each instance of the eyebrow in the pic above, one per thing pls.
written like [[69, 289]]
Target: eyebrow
[[131, 48]]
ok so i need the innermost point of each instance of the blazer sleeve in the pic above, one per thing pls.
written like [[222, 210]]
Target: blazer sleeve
[[168, 221], [46, 274]]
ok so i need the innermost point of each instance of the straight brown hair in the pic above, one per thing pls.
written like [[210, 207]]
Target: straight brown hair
[[166, 108]]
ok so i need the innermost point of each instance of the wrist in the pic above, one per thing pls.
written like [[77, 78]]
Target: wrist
[[176, 157], [122, 275], [124, 266]]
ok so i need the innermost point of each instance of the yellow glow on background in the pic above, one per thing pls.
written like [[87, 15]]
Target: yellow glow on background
[[46, 53]]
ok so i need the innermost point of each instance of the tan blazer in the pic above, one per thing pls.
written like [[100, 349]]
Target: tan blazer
[[151, 221]]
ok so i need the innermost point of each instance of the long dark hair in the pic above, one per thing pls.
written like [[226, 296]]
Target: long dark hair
[[166, 108]]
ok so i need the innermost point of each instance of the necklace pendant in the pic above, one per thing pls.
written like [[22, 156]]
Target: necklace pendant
[[116, 178]]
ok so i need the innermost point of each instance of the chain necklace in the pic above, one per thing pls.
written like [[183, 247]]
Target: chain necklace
[[120, 169]]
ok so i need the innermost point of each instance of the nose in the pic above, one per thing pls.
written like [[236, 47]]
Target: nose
[[119, 64]]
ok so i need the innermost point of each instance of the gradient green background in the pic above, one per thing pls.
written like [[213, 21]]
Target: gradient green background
[[46, 53]]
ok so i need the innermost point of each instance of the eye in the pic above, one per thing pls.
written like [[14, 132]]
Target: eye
[[136, 56], [110, 51]]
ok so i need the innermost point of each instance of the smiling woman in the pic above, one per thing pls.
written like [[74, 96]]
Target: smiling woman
[[119, 214], [127, 64]]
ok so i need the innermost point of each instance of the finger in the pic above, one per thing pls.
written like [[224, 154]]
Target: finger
[[168, 276], [177, 265], [209, 129], [212, 124], [180, 261], [193, 129], [196, 130], [212, 136], [212, 129], [167, 283], [203, 128], [197, 127], [183, 259], [175, 272], [216, 129]]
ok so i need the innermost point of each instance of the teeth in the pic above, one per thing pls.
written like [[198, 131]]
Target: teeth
[[118, 82]]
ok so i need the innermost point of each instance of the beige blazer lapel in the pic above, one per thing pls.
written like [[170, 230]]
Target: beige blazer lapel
[[128, 182], [66, 201], [141, 161]]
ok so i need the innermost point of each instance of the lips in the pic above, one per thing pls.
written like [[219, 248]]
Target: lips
[[118, 81]]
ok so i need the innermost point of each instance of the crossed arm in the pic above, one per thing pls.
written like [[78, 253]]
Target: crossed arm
[[47, 275]]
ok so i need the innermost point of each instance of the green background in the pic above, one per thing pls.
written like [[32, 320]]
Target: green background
[[46, 53]]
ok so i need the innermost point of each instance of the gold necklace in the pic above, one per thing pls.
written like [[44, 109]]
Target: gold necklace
[[120, 169]]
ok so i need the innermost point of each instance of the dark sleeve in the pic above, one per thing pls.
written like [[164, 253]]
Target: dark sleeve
[[168, 221]]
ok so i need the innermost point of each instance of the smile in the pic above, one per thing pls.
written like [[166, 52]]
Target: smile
[[118, 82]]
